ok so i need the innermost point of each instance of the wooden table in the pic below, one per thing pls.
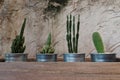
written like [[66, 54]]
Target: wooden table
[[59, 71]]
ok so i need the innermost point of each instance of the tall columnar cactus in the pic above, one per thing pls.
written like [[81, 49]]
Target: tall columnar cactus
[[18, 43], [98, 43], [72, 36], [48, 48]]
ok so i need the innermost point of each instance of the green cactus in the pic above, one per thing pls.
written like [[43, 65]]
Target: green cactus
[[72, 36], [98, 43], [18, 43], [48, 48]]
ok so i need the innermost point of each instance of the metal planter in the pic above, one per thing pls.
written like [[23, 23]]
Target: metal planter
[[46, 57], [74, 57], [102, 57], [13, 57]]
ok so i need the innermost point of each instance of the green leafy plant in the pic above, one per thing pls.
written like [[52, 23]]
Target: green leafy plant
[[18, 43], [72, 36], [98, 43], [47, 48]]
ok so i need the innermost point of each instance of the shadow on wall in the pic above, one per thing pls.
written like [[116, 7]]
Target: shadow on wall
[[54, 6]]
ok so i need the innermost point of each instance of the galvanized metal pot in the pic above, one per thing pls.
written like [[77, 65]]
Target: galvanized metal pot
[[74, 57], [13, 57], [46, 57], [102, 57]]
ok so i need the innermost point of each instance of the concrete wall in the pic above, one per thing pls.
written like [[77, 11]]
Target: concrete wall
[[96, 15]]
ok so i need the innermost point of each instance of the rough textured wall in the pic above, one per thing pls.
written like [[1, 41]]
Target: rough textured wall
[[96, 15], [12, 14]]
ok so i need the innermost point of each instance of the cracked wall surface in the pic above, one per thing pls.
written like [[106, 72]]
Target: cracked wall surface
[[96, 15]]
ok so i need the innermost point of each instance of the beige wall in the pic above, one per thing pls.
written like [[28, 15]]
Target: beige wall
[[96, 15]]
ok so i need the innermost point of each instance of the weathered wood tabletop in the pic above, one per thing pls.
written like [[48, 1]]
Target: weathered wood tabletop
[[59, 71]]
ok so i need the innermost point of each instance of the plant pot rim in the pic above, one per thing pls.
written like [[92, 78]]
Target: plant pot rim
[[103, 53], [74, 53], [16, 53], [46, 54]]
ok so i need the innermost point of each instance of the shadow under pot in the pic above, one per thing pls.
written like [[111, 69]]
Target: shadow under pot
[[103, 57], [46, 57], [74, 57], [15, 57]]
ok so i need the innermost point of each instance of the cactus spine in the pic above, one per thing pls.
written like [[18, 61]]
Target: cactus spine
[[48, 48], [18, 43], [98, 43], [72, 36]]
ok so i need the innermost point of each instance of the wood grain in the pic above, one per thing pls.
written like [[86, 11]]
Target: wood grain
[[59, 71]]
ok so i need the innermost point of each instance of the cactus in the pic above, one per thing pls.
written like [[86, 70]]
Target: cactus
[[18, 43], [72, 36], [98, 43], [48, 48]]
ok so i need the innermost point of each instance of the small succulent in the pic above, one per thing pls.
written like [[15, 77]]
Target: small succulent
[[72, 35], [98, 43], [18, 43], [47, 48]]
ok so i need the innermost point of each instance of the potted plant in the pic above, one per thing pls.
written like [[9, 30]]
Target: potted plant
[[101, 55], [47, 52], [17, 48], [72, 37]]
